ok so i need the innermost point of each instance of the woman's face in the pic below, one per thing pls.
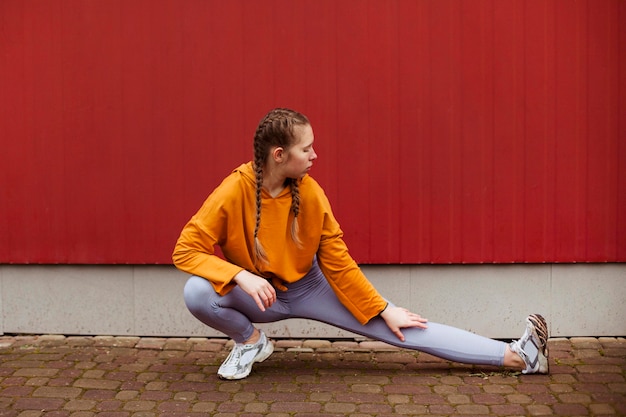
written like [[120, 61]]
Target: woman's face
[[301, 155]]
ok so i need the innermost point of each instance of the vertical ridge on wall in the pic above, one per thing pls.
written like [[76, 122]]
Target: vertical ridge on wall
[[620, 231], [443, 191], [507, 76], [602, 110], [570, 134], [537, 136], [383, 106], [414, 124], [476, 135], [320, 68], [353, 134]]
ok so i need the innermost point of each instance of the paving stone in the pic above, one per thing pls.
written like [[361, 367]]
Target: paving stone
[[256, 407], [560, 388], [410, 409], [375, 409], [444, 389], [316, 344], [75, 405], [139, 405], [346, 345], [151, 343], [42, 404], [46, 337], [286, 344], [488, 399], [36, 382], [539, 410], [301, 350], [570, 410], [96, 384], [508, 410], [458, 399], [16, 391], [377, 346], [472, 409], [57, 392], [126, 341], [30, 413], [441, 410], [76, 341], [400, 357], [519, 398], [499, 389], [340, 408], [601, 409], [204, 407], [6, 343], [31, 372]]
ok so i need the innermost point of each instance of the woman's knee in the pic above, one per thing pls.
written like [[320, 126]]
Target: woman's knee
[[197, 293]]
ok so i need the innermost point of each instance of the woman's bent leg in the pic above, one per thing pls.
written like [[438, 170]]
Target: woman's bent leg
[[232, 314]]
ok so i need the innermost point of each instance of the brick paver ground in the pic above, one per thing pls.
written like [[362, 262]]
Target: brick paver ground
[[145, 377]]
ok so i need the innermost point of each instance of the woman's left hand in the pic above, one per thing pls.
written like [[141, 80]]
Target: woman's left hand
[[398, 318]]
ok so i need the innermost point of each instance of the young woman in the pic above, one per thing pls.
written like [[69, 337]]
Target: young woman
[[285, 258]]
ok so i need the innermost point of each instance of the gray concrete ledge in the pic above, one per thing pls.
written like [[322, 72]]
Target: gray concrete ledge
[[146, 300]]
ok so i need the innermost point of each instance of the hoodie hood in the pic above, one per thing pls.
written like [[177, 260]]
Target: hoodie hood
[[247, 172]]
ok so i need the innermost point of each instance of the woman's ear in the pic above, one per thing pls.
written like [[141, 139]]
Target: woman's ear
[[278, 154]]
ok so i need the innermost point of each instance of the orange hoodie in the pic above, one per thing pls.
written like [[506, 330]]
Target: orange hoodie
[[227, 219]]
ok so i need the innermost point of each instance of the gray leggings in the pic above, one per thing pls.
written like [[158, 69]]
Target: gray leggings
[[312, 298]]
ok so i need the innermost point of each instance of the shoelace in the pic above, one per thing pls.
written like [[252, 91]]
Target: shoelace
[[541, 330], [233, 358]]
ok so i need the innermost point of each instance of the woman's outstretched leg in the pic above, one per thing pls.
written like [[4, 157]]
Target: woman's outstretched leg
[[439, 340]]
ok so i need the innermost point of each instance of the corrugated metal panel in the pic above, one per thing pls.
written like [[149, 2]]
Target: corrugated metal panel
[[448, 131]]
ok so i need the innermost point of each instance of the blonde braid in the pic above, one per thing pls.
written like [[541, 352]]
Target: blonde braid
[[260, 155], [259, 252], [295, 208]]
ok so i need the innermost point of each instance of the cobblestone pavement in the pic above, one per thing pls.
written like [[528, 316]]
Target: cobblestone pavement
[[144, 377]]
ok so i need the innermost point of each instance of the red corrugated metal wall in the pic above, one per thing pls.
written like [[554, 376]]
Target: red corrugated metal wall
[[448, 131]]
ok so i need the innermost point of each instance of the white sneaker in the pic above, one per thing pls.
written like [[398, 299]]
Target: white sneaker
[[533, 345], [239, 362]]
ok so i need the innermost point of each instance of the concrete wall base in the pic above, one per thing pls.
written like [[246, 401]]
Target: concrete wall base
[[146, 300]]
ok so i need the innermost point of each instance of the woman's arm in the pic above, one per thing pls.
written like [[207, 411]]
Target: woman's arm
[[194, 253]]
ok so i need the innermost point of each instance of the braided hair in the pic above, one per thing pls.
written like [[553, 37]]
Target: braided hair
[[275, 129]]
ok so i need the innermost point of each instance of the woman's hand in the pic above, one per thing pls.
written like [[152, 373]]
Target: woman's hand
[[398, 318], [256, 287]]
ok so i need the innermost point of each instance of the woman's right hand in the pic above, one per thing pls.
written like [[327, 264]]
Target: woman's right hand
[[258, 288], [399, 318]]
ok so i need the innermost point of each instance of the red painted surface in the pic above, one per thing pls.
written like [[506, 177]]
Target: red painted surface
[[448, 131]]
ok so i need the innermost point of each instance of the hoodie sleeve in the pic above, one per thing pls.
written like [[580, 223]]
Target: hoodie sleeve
[[194, 252], [345, 277]]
